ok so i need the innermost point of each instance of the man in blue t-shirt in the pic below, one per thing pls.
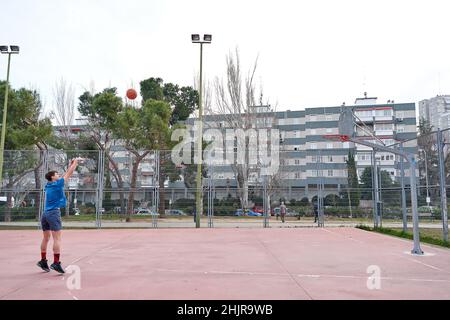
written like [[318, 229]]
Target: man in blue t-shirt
[[51, 219]]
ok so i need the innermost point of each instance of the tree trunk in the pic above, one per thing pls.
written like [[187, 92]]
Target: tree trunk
[[8, 204], [162, 195], [244, 194], [132, 188], [121, 195], [119, 181], [122, 198], [37, 197], [137, 161]]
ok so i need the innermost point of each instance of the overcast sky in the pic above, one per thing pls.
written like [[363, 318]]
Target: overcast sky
[[311, 53]]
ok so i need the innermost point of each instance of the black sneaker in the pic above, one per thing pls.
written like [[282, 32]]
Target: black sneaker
[[57, 267], [43, 265]]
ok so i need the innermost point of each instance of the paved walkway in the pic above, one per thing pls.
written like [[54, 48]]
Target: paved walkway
[[218, 223], [233, 263]]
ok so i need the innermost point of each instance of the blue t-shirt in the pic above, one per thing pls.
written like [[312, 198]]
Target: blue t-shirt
[[55, 197]]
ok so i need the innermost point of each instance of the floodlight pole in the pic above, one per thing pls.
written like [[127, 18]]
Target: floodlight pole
[[5, 112], [199, 194]]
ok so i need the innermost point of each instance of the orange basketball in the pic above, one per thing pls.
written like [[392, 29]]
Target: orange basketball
[[131, 94]]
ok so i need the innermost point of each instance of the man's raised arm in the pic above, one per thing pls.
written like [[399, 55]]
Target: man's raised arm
[[72, 167]]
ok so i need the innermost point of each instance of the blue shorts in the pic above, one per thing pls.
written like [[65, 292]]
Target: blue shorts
[[51, 220]]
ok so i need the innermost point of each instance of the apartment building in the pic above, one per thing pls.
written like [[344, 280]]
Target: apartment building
[[308, 158]]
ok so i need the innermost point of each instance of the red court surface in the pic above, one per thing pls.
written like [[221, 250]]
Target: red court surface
[[301, 263]]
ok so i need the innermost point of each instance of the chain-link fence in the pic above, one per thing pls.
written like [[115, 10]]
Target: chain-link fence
[[120, 188]]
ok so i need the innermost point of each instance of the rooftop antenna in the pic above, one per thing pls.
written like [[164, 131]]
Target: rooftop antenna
[[364, 80], [439, 83]]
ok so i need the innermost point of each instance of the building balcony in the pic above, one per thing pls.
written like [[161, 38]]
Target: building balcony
[[147, 173], [364, 162], [371, 119], [389, 133]]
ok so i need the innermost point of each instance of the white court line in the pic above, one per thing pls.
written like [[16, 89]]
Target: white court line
[[225, 272], [365, 277], [300, 275], [422, 263]]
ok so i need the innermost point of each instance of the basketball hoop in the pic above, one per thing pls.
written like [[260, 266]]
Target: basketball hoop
[[337, 137]]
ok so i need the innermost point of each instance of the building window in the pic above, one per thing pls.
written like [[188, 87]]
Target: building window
[[383, 126]]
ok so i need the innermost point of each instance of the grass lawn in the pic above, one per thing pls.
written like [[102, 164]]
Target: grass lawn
[[427, 235]]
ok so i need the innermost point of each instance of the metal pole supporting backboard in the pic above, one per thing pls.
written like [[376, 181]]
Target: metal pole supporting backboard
[[348, 133], [442, 187]]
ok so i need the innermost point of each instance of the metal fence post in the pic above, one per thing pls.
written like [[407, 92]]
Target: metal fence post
[[100, 178], [155, 193], [375, 186], [415, 214], [265, 204], [320, 203], [402, 173], [42, 190], [442, 183], [210, 197]]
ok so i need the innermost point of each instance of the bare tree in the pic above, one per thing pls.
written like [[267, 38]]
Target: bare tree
[[64, 106], [237, 103]]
